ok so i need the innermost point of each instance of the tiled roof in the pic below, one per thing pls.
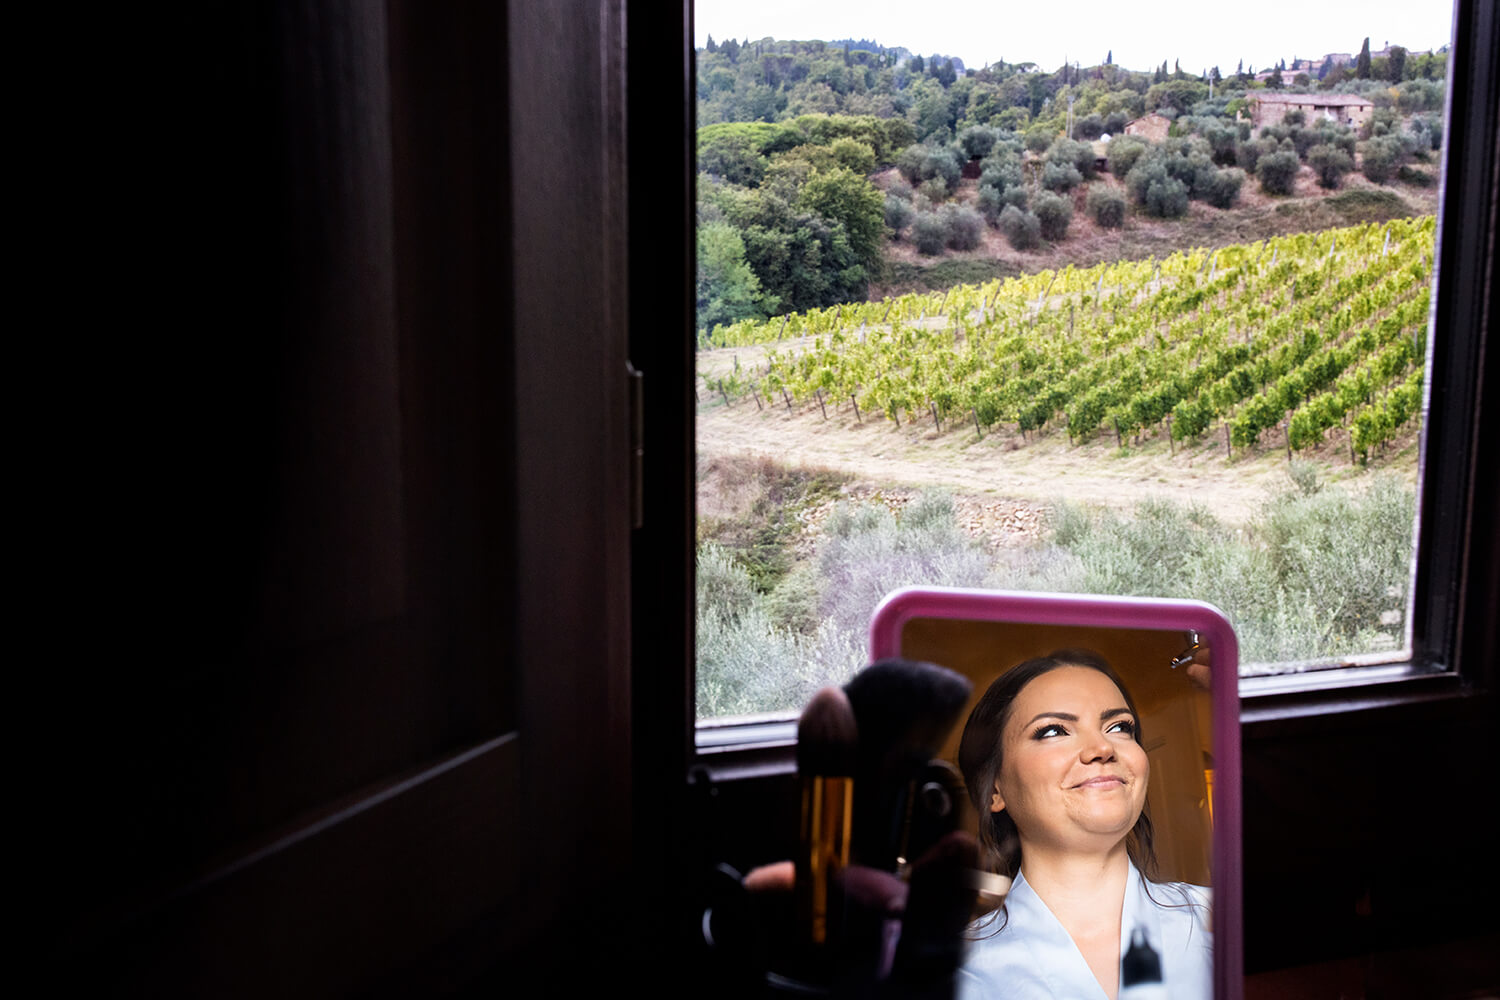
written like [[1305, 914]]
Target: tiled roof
[[1317, 100]]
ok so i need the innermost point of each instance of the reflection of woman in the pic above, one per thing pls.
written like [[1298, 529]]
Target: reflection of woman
[[1053, 760]]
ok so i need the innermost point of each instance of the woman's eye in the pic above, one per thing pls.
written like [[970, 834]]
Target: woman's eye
[[1052, 729], [1126, 726]]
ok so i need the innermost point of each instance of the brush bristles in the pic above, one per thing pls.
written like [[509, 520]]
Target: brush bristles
[[827, 735], [906, 703]]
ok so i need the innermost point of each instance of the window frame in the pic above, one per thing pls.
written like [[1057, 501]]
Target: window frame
[[1454, 579]]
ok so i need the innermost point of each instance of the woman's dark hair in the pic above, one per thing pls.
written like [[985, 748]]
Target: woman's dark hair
[[980, 753]]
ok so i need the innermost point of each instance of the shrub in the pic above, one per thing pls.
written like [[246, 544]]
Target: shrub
[[1277, 172], [1091, 126], [1189, 161], [898, 213], [1166, 198], [1383, 121], [1022, 229], [1223, 140], [868, 552], [935, 188], [1017, 196], [1001, 174], [1304, 139], [921, 163], [990, 204], [965, 227], [1124, 151], [1060, 176], [723, 585], [929, 232], [1330, 164], [1079, 154], [1420, 130], [1419, 95], [1380, 158], [1039, 137], [1411, 175], [1324, 572], [1327, 133], [1223, 187], [1053, 212], [1106, 206], [1156, 190], [1248, 153], [978, 140]]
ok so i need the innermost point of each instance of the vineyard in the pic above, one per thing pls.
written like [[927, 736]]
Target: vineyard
[[1302, 333]]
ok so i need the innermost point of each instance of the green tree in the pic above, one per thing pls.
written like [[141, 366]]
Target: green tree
[[1362, 62], [1330, 163], [1124, 151], [850, 200], [1381, 157], [1022, 229], [1277, 172], [1107, 206], [1054, 212], [1178, 95], [728, 289], [929, 233], [1396, 64]]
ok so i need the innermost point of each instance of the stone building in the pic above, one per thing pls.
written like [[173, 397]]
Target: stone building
[[1152, 127], [1346, 109]]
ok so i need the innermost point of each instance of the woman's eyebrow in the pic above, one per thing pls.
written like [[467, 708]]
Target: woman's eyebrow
[[1104, 716], [1065, 716]]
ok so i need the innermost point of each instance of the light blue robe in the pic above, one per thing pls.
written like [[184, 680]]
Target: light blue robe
[[1033, 958]]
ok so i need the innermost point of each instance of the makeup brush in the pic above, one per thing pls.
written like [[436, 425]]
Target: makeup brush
[[827, 743], [904, 709]]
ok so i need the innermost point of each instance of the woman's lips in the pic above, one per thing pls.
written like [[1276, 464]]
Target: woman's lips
[[1103, 781]]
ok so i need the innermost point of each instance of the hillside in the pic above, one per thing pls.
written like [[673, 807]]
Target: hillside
[[1257, 216]]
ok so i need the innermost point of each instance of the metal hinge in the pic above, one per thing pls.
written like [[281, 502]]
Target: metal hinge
[[635, 380]]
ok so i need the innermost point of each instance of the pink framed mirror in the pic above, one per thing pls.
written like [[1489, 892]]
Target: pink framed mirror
[[1179, 662]]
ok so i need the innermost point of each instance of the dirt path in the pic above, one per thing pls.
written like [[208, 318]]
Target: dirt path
[[1000, 479]]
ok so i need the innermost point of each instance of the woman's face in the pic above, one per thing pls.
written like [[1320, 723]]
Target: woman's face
[[1072, 775]]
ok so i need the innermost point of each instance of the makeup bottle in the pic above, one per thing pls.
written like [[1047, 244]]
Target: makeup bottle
[[1140, 970]]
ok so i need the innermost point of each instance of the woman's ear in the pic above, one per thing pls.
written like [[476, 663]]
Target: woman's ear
[[997, 801]]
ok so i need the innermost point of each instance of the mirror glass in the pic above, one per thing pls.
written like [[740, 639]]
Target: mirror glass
[[1178, 660]]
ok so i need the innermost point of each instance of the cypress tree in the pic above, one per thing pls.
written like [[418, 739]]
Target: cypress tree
[[1362, 64]]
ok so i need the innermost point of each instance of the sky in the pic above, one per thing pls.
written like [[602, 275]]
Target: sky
[[1200, 34]]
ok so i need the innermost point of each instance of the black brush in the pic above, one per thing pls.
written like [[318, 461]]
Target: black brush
[[904, 710], [827, 747]]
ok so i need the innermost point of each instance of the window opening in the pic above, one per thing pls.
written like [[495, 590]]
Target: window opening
[[1150, 321]]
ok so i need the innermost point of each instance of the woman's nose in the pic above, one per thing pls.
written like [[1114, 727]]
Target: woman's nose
[[1097, 748]]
